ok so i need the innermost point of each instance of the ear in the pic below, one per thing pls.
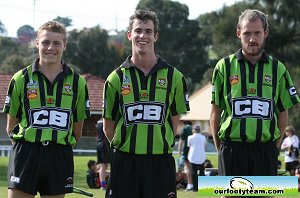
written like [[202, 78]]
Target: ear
[[129, 35], [238, 33], [156, 36], [37, 43], [266, 33]]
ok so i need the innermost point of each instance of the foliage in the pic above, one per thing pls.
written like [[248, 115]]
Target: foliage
[[66, 21], [26, 33], [2, 28]]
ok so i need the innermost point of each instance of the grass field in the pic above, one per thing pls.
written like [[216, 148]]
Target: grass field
[[79, 178]]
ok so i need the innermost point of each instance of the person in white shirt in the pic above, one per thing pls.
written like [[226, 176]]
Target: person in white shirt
[[291, 146], [196, 155]]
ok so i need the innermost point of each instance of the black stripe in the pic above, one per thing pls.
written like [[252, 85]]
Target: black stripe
[[26, 100], [116, 114], [9, 92], [163, 127], [57, 104], [288, 86], [259, 93], [244, 93], [74, 100], [185, 91], [152, 90], [274, 85], [38, 135], [133, 139], [135, 85], [228, 86]]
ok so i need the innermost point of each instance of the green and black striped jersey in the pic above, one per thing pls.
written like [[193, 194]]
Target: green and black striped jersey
[[252, 97], [47, 110], [142, 107]]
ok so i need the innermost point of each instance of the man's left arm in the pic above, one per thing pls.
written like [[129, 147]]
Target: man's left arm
[[282, 123], [175, 122], [77, 128]]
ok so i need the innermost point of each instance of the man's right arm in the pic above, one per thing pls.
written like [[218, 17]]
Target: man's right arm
[[109, 129], [11, 124], [215, 117]]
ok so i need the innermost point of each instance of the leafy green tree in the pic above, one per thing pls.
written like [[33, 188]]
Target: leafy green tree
[[88, 49], [66, 21], [26, 33], [2, 28]]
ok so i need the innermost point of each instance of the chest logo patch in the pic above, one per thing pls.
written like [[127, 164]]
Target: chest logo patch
[[233, 79], [126, 80], [161, 81], [268, 78], [125, 90], [68, 87], [32, 84], [32, 94]]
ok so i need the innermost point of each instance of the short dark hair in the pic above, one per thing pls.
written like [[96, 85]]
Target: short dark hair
[[144, 15], [91, 163]]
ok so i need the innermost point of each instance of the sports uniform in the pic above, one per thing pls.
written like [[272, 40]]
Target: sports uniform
[[46, 112], [142, 107], [251, 97]]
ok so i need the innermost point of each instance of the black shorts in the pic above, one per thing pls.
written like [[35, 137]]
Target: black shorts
[[291, 165], [47, 169], [142, 176], [248, 159], [104, 152]]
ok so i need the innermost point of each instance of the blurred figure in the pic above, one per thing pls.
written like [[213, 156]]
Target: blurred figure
[[103, 155], [92, 176], [196, 155], [297, 174], [291, 147], [183, 151]]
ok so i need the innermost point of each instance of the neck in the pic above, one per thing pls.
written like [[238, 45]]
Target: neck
[[253, 59], [144, 63], [50, 70]]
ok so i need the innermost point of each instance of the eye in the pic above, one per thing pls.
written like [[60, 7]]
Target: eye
[[45, 43]]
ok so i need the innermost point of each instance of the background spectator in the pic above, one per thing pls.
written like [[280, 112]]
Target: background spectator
[[92, 176]]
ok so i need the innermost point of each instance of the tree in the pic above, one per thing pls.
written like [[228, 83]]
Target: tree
[[66, 21], [26, 33], [89, 50], [2, 28]]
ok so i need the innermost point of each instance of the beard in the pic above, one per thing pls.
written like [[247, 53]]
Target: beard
[[249, 52]]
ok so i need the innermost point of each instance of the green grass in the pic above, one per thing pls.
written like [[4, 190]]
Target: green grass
[[80, 173]]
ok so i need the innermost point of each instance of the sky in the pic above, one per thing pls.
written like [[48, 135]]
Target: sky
[[108, 14]]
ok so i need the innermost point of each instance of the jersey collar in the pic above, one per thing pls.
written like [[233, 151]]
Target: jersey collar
[[66, 69], [264, 58], [159, 65]]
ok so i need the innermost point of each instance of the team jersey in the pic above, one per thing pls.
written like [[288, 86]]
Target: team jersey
[[251, 96], [47, 110], [142, 107]]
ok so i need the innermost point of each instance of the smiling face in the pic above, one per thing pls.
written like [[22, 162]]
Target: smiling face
[[51, 46], [142, 37], [252, 36]]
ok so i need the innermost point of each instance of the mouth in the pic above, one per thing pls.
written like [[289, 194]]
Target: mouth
[[143, 42], [50, 53]]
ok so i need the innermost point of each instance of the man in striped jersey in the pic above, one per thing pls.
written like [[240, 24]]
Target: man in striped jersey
[[253, 91], [46, 104], [143, 99]]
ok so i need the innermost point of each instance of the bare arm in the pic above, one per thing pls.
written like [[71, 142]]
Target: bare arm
[[109, 128], [77, 128], [215, 117], [175, 122], [282, 123], [11, 123]]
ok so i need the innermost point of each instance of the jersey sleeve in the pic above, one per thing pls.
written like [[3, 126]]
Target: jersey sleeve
[[12, 103], [217, 85], [180, 103], [288, 95], [83, 102], [111, 97]]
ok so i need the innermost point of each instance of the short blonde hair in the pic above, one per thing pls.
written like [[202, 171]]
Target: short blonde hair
[[53, 26], [290, 129]]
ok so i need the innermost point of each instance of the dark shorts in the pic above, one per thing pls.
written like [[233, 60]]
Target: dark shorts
[[291, 165], [142, 176], [47, 169], [248, 159], [104, 152]]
